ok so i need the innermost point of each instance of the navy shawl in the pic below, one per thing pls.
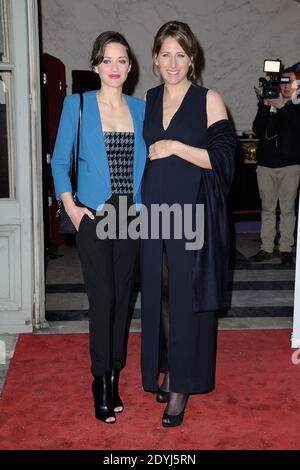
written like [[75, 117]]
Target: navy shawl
[[210, 266]]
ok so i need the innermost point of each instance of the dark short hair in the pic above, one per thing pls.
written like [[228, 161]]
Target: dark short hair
[[101, 42], [289, 70], [184, 36]]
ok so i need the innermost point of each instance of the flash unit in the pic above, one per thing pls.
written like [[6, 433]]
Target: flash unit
[[272, 66]]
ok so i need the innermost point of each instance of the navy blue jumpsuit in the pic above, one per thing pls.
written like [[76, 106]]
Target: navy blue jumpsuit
[[192, 337]]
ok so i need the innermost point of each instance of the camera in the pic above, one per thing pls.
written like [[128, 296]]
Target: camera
[[269, 85]]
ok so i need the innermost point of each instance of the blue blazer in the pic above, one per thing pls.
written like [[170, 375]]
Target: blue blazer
[[94, 184]]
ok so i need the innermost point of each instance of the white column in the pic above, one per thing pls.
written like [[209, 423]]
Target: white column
[[296, 321]]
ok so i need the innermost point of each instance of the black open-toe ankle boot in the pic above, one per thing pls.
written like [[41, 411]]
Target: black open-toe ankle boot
[[102, 393], [118, 405]]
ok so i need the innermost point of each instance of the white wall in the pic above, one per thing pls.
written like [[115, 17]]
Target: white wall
[[236, 36]]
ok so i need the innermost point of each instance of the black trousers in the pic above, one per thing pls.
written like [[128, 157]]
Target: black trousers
[[109, 268]]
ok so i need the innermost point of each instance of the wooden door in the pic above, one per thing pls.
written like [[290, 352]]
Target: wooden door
[[53, 94]]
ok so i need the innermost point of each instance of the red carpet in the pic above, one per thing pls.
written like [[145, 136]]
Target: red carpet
[[47, 403]]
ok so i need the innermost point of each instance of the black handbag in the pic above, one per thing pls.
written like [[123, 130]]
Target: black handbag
[[65, 224]]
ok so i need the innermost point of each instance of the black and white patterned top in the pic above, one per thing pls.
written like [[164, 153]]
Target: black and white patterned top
[[120, 148]]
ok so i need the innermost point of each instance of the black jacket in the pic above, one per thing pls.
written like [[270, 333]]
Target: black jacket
[[278, 135]]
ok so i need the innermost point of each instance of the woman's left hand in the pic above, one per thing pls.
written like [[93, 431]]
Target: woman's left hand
[[162, 149]]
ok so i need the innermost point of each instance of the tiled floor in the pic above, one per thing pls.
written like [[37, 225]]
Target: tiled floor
[[7, 345], [254, 289]]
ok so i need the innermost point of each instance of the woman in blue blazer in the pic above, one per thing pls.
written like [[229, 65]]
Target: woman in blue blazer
[[111, 162]]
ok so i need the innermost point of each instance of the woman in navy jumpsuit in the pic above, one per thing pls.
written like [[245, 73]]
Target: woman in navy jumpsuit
[[177, 116]]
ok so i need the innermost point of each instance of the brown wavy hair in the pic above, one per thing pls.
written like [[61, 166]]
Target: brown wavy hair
[[185, 37]]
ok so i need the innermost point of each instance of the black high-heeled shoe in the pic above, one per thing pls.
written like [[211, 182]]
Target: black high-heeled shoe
[[116, 400], [171, 421], [162, 396], [102, 393]]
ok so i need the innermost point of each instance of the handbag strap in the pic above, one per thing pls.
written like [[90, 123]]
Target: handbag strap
[[77, 148]]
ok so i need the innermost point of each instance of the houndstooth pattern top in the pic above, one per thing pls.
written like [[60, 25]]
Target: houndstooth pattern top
[[120, 151]]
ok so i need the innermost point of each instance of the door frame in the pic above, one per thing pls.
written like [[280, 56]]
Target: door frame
[[38, 310], [22, 306]]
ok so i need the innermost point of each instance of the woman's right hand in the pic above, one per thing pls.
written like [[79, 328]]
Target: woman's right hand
[[77, 213], [74, 212]]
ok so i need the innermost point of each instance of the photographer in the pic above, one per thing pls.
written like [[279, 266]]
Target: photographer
[[277, 125]]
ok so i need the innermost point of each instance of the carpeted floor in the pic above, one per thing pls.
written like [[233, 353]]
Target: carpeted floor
[[47, 402]]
